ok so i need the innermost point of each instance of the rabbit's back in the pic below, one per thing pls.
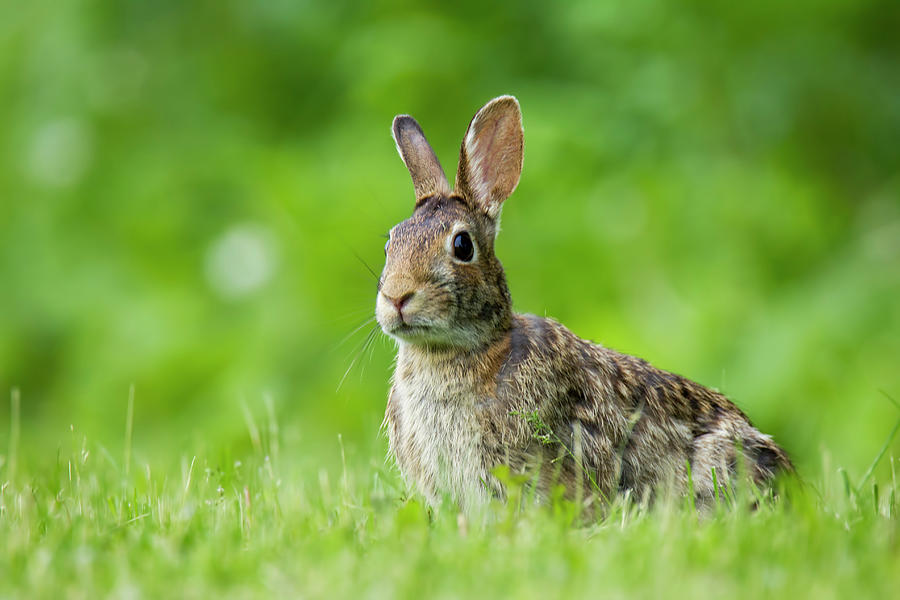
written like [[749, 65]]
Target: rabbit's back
[[623, 423]]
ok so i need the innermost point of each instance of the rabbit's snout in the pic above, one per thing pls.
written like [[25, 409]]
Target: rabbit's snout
[[399, 302]]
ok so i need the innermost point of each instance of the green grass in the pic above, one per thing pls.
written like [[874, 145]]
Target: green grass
[[91, 524]]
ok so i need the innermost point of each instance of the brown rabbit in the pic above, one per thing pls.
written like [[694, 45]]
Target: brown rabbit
[[477, 386]]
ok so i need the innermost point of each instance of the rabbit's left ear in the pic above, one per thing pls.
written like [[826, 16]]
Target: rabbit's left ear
[[424, 167], [490, 160]]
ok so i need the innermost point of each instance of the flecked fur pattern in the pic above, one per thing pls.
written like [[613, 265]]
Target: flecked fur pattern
[[476, 386]]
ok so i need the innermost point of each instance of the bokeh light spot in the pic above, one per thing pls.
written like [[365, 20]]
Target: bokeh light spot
[[59, 152], [241, 261]]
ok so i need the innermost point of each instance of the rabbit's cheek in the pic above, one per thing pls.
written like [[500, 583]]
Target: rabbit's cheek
[[418, 311]]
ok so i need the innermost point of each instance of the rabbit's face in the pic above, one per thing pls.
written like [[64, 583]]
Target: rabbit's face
[[442, 286]]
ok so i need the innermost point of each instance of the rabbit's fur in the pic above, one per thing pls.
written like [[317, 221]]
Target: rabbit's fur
[[477, 386]]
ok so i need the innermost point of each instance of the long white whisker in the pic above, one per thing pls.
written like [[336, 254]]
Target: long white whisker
[[352, 315], [366, 341], [355, 331], [370, 346]]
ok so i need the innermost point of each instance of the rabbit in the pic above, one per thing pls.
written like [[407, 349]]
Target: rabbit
[[476, 386]]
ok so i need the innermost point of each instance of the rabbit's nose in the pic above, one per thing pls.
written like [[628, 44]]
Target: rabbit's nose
[[399, 302]]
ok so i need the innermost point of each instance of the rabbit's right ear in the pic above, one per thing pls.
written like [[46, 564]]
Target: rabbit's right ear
[[490, 160], [427, 175]]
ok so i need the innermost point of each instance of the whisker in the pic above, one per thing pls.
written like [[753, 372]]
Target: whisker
[[371, 335], [366, 355], [371, 349], [353, 314], [366, 265], [355, 330], [351, 319]]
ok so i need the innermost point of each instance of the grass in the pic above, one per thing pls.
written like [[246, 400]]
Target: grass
[[262, 524]]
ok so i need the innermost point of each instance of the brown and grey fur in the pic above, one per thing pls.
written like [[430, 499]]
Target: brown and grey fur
[[477, 386]]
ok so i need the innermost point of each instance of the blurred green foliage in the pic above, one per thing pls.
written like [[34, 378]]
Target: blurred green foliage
[[186, 189]]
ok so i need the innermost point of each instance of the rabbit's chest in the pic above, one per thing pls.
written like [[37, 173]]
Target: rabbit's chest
[[436, 437]]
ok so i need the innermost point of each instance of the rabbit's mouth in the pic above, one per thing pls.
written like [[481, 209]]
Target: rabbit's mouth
[[406, 330], [429, 336], [418, 334]]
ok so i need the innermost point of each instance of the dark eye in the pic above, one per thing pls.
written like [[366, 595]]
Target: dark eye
[[386, 244], [463, 249]]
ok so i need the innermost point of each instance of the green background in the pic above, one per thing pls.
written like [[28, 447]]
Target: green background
[[188, 192]]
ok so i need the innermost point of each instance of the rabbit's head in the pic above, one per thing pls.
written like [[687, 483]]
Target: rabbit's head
[[442, 286]]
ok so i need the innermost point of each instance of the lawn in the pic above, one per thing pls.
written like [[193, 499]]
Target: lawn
[[261, 524]]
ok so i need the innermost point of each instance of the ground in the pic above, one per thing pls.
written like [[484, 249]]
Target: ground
[[92, 525]]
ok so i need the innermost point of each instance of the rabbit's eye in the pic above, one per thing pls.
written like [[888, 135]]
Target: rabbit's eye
[[386, 244], [463, 249]]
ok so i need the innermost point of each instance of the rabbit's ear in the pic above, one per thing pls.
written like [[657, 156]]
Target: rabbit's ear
[[424, 168], [490, 160]]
